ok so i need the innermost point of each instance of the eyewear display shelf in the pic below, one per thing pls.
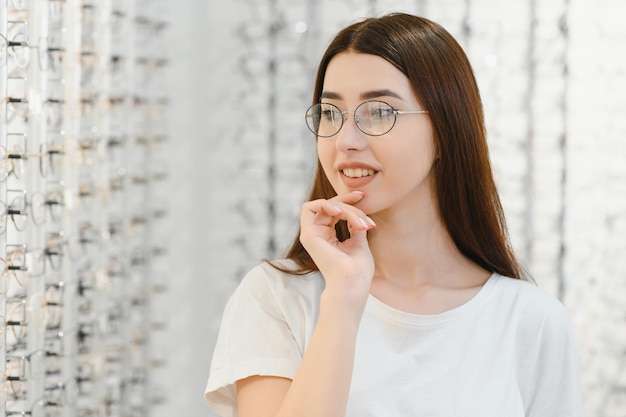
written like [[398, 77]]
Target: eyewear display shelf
[[82, 205]]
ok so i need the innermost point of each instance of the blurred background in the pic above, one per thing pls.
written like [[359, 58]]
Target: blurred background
[[155, 151]]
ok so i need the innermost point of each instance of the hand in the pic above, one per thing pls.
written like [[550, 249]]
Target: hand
[[346, 266]]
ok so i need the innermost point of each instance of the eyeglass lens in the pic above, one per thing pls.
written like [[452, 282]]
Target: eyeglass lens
[[372, 117]]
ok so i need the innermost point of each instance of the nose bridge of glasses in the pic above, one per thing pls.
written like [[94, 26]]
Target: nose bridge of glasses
[[350, 135], [344, 115]]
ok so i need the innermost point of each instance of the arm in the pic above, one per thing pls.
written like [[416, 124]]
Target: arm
[[322, 383]]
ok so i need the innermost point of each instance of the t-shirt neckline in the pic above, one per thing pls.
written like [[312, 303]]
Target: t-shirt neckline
[[380, 308]]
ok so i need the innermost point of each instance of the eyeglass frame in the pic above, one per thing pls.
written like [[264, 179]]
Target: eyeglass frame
[[396, 113]]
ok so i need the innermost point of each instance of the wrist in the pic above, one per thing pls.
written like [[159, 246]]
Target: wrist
[[343, 304]]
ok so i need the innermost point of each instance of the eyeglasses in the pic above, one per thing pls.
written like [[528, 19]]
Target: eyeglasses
[[13, 160], [373, 117]]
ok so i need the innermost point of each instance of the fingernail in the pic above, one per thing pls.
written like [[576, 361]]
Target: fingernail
[[370, 221], [364, 224], [338, 209], [361, 193]]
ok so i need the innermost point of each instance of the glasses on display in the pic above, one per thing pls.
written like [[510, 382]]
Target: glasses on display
[[20, 368], [53, 305], [373, 117], [37, 260], [17, 208], [16, 319], [14, 270], [21, 206], [50, 158], [56, 396], [54, 204], [16, 101], [87, 193], [61, 245], [117, 68], [13, 160], [17, 46], [51, 59], [16, 376]]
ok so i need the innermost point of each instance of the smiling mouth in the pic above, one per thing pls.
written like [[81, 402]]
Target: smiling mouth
[[357, 172]]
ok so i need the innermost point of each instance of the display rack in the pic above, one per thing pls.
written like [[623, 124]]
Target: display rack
[[83, 128]]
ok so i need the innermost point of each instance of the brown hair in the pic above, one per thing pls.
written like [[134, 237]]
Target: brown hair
[[443, 81]]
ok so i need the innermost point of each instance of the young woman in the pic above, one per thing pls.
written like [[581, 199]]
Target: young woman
[[401, 295]]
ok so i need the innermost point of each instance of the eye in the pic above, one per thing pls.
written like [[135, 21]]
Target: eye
[[380, 111], [330, 114]]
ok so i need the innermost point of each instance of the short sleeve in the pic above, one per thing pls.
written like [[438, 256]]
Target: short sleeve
[[556, 382], [254, 339]]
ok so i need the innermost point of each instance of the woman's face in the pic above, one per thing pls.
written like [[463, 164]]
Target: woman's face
[[393, 169]]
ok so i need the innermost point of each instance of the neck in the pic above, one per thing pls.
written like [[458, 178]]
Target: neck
[[415, 250]]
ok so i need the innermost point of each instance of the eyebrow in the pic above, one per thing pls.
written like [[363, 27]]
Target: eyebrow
[[366, 95]]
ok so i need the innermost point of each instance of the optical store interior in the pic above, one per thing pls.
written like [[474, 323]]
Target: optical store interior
[[155, 151]]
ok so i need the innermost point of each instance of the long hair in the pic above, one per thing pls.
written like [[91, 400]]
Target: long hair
[[443, 81]]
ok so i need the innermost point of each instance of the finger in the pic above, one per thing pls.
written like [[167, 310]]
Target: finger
[[361, 220], [329, 212], [358, 235], [357, 219], [350, 198], [320, 211], [327, 206]]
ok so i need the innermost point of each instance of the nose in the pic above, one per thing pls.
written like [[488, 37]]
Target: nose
[[350, 137]]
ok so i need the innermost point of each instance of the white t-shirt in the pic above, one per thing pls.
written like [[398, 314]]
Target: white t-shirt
[[508, 352]]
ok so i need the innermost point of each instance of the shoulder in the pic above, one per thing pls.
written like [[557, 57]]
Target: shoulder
[[264, 280], [528, 305], [525, 293], [265, 329], [268, 295], [546, 349], [266, 275]]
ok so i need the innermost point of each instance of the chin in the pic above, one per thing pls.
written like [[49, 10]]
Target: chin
[[368, 207]]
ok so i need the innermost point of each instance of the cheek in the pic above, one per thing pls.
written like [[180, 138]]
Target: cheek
[[415, 150], [409, 163], [325, 156]]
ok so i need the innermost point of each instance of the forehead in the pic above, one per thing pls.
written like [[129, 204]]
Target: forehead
[[350, 75]]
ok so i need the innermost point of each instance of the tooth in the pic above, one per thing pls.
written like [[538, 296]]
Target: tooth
[[358, 172]]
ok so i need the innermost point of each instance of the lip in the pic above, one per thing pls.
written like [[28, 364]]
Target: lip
[[354, 165], [356, 183]]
